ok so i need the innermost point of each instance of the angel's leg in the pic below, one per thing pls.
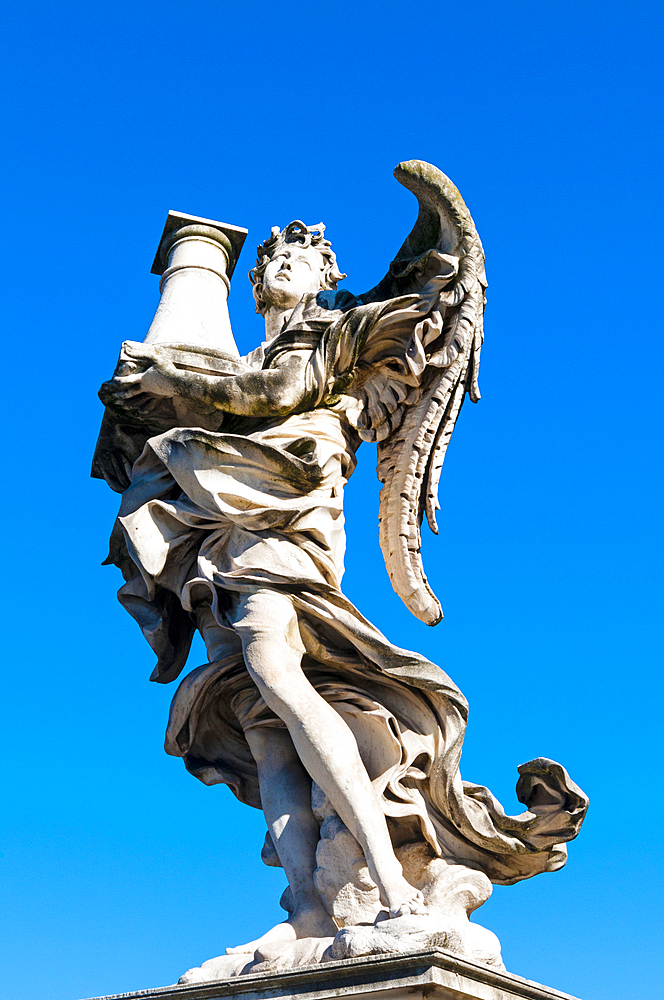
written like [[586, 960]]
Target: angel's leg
[[267, 625], [286, 799], [285, 789]]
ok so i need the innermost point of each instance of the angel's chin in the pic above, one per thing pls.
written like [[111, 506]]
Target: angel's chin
[[281, 298]]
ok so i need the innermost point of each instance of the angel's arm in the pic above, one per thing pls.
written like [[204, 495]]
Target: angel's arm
[[275, 391]]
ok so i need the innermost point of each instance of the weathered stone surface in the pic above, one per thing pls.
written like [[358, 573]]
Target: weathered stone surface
[[177, 221], [232, 472], [195, 258], [426, 975]]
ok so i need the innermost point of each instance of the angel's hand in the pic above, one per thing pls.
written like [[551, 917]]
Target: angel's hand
[[130, 387]]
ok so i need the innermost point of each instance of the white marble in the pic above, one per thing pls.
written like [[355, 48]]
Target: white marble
[[193, 308], [232, 473], [431, 974]]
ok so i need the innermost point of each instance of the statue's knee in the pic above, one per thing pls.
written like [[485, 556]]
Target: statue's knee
[[260, 645], [272, 748], [270, 640], [268, 617], [270, 662], [260, 744]]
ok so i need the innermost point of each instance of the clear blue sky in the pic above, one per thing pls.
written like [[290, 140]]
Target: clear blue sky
[[119, 870]]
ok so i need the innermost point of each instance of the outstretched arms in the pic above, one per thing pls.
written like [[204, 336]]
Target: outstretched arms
[[275, 391]]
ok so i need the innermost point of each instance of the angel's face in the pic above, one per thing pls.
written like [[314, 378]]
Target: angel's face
[[290, 274]]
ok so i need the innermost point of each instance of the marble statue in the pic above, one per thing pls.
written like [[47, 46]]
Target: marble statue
[[232, 473]]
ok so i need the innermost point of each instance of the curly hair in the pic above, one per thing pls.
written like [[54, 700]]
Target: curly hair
[[305, 236]]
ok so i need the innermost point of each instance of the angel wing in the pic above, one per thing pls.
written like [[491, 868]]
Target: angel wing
[[415, 369]]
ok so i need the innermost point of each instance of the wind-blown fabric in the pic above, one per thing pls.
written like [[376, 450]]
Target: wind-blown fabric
[[209, 516]]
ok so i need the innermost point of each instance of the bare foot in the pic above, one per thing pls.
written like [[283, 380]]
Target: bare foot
[[310, 923], [400, 897], [414, 905]]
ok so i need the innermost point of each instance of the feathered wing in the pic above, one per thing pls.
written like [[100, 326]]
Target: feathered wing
[[415, 369]]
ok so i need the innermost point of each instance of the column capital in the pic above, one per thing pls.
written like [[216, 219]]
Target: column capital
[[231, 238]]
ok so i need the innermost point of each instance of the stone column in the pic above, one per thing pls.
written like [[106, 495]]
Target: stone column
[[195, 258]]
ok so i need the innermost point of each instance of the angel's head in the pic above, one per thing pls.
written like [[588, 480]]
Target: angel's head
[[291, 263]]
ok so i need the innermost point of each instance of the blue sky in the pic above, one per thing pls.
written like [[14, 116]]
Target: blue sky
[[119, 870]]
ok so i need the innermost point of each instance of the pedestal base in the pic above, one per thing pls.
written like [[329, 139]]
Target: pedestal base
[[424, 975]]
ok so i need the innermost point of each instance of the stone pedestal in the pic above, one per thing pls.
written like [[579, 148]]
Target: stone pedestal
[[424, 975]]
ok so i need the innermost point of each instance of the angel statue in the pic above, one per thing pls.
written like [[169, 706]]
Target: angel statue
[[349, 744]]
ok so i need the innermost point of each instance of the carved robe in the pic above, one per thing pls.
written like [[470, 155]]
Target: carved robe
[[209, 516]]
